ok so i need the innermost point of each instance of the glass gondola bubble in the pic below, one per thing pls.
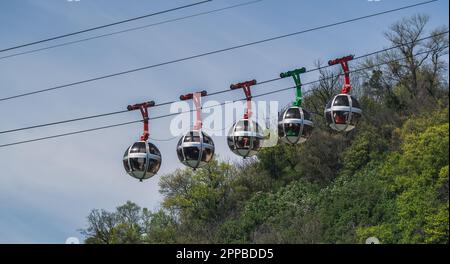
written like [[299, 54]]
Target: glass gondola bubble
[[195, 149], [142, 160], [295, 125], [245, 138], [343, 112]]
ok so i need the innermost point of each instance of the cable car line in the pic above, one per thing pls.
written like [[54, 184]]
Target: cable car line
[[103, 26], [63, 122], [211, 52], [210, 94], [131, 29], [220, 104]]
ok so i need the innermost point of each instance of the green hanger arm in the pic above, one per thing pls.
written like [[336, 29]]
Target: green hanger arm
[[298, 83]]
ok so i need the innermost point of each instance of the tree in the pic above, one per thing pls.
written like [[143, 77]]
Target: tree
[[122, 226], [415, 74], [201, 198], [405, 34], [100, 227], [160, 227]]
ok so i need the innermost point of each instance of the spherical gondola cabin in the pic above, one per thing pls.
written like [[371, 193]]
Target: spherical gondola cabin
[[295, 125], [245, 138], [195, 149], [343, 112], [142, 160]]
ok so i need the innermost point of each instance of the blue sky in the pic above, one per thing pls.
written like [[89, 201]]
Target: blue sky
[[48, 188]]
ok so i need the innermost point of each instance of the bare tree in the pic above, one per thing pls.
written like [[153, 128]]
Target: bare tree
[[438, 47], [406, 34], [416, 66]]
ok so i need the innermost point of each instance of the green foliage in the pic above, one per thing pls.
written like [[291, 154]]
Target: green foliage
[[384, 233], [418, 183], [355, 201], [317, 160], [419, 123], [122, 226], [424, 156], [436, 227], [284, 213], [160, 227], [367, 146]]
